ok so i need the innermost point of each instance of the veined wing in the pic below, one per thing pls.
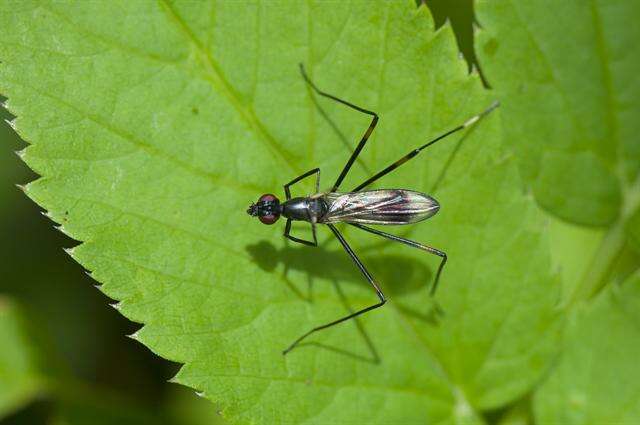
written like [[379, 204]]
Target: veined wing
[[384, 206]]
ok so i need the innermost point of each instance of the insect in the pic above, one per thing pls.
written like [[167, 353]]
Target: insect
[[357, 207]]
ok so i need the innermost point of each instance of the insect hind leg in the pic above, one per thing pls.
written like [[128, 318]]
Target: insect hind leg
[[412, 244], [367, 275]]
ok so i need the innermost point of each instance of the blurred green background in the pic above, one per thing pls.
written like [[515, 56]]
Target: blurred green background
[[61, 330]]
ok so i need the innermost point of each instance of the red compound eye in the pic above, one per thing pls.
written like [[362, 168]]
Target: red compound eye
[[267, 197], [269, 219]]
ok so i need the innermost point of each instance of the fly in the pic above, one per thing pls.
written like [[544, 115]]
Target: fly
[[357, 208]]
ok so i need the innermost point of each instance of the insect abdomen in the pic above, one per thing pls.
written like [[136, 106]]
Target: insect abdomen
[[384, 206]]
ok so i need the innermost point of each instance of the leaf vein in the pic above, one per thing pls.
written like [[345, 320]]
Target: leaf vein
[[217, 80]]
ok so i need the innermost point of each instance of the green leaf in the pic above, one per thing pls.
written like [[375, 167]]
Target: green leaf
[[154, 125], [568, 77], [597, 379], [21, 360], [633, 229], [570, 119]]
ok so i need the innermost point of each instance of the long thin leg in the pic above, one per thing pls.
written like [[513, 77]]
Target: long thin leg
[[287, 234], [364, 138], [413, 244], [287, 192], [367, 276], [415, 152]]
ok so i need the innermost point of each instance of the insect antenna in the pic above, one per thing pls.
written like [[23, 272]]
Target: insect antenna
[[416, 151]]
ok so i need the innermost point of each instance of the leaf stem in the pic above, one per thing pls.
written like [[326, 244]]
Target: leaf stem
[[610, 249]]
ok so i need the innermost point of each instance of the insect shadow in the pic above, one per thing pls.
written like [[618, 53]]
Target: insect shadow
[[400, 275]]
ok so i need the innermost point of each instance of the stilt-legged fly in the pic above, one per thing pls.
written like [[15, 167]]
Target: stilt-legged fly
[[357, 207]]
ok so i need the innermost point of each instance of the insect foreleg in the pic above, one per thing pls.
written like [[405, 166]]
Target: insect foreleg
[[287, 234], [413, 244], [363, 140], [367, 276]]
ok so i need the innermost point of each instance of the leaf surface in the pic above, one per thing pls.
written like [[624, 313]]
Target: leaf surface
[[596, 380], [568, 77], [154, 125]]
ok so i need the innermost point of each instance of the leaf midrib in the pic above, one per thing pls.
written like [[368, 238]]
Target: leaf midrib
[[210, 74], [596, 275], [214, 75]]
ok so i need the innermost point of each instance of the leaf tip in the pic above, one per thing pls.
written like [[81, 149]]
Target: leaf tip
[[46, 214], [70, 251], [21, 153], [98, 285], [12, 123]]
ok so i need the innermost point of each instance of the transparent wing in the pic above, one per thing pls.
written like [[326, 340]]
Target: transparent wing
[[384, 206]]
